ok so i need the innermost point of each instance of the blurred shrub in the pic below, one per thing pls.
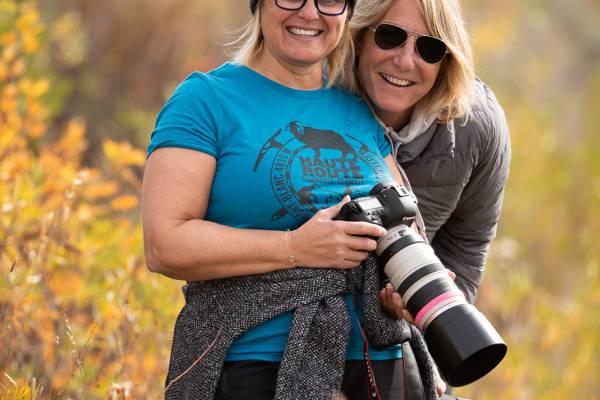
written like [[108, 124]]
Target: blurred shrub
[[80, 315], [542, 285]]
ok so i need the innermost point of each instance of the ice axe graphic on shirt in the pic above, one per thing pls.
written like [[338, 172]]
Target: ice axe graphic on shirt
[[272, 143]]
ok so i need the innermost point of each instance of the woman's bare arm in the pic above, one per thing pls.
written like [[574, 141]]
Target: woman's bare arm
[[179, 243]]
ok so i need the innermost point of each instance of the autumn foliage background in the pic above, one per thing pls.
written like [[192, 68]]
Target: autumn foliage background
[[80, 84]]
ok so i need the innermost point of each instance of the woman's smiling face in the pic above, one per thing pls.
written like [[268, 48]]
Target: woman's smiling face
[[395, 80], [300, 38]]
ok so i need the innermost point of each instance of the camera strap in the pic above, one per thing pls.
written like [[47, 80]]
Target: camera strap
[[371, 383]]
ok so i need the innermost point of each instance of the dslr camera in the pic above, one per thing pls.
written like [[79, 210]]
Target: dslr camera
[[463, 343]]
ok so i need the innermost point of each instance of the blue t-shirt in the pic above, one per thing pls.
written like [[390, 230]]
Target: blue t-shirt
[[282, 154]]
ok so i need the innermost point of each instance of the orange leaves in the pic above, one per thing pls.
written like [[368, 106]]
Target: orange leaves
[[122, 154], [101, 190], [124, 203], [73, 142]]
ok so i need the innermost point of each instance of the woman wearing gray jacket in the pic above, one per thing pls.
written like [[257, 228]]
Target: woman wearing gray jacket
[[448, 132]]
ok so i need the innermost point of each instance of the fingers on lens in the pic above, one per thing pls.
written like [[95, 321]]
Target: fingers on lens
[[385, 299], [362, 243], [364, 229]]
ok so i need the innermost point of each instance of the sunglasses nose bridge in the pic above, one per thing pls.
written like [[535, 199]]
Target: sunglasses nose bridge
[[405, 56], [410, 43]]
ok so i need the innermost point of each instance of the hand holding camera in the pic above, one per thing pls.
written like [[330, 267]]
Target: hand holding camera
[[323, 242]]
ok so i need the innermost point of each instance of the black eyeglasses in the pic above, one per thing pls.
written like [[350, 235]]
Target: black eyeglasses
[[325, 7], [388, 36]]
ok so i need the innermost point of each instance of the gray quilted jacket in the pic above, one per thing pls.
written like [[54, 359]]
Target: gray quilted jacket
[[458, 173]]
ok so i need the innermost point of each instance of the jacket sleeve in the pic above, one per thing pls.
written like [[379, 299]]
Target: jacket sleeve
[[463, 241]]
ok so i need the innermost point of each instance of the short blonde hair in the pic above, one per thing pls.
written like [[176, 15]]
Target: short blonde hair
[[249, 42], [452, 93]]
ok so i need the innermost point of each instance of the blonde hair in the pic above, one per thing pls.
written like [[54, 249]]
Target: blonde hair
[[249, 42], [452, 93]]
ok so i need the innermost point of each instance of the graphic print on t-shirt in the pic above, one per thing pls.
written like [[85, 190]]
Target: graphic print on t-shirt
[[312, 167]]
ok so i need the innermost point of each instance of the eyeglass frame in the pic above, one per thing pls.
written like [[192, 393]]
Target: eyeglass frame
[[414, 34], [316, 6]]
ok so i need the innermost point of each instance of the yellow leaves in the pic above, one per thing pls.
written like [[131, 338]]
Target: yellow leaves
[[122, 154], [8, 99], [63, 223], [124, 203], [9, 53], [30, 42], [34, 89], [29, 19], [29, 26], [73, 141]]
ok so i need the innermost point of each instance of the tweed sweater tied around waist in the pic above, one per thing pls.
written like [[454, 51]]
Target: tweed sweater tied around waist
[[218, 311]]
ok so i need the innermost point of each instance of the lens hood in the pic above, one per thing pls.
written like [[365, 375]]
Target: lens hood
[[464, 344]]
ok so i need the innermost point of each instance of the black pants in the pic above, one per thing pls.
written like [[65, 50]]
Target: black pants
[[396, 379]]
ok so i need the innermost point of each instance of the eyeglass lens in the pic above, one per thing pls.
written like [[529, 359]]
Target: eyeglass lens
[[326, 7], [388, 37]]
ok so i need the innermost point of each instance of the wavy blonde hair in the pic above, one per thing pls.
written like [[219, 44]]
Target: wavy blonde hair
[[249, 42], [452, 93]]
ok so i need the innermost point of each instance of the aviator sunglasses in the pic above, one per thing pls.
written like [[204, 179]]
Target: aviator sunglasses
[[388, 36], [325, 7]]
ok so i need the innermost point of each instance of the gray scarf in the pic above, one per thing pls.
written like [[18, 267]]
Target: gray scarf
[[218, 311]]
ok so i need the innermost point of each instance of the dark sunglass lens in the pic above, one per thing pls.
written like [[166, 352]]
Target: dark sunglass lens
[[388, 37], [430, 49]]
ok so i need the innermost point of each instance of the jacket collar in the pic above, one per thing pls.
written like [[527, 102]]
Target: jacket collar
[[410, 142]]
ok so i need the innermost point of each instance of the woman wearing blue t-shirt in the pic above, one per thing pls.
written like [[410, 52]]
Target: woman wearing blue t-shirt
[[247, 167]]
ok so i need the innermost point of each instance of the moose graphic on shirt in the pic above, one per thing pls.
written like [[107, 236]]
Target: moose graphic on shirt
[[312, 167]]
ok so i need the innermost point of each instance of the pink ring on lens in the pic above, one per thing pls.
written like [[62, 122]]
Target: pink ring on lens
[[439, 310], [435, 302]]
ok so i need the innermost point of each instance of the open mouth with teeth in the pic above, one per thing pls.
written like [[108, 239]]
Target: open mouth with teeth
[[305, 33], [396, 81]]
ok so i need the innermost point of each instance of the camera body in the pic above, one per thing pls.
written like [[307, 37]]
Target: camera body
[[386, 205], [463, 343]]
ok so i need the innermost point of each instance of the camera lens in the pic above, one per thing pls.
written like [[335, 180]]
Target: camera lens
[[463, 343], [417, 275]]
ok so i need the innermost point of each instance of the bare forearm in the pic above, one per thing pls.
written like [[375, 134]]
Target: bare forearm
[[202, 250]]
